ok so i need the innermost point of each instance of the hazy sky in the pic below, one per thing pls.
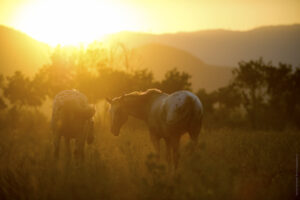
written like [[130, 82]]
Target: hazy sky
[[71, 21]]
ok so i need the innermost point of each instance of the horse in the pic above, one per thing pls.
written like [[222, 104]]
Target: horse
[[168, 117], [72, 118]]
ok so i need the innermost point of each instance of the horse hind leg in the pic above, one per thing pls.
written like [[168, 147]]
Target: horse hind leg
[[169, 153], [172, 152], [68, 149], [156, 145], [194, 135], [79, 151], [56, 145], [194, 132], [175, 151]]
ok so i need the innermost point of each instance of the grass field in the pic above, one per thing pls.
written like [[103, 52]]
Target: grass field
[[227, 164]]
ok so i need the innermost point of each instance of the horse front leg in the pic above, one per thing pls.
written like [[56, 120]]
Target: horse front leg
[[56, 144], [68, 148]]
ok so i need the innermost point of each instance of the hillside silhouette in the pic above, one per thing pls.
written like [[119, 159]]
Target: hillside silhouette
[[20, 52], [224, 47], [23, 53], [207, 55], [161, 58]]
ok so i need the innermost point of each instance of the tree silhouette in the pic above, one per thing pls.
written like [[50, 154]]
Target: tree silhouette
[[228, 97], [208, 99], [20, 91], [270, 94], [175, 80], [2, 102], [294, 100], [250, 82]]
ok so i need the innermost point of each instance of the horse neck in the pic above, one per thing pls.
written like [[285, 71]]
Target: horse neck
[[139, 107]]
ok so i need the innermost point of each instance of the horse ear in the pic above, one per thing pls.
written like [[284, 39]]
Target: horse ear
[[108, 100]]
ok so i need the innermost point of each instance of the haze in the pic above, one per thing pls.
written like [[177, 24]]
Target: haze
[[72, 22]]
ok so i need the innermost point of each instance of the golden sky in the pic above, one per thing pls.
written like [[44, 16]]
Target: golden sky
[[73, 21]]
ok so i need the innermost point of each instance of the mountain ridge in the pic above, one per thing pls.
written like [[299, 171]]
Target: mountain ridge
[[21, 52], [161, 53], [161, 58], [227, 47]]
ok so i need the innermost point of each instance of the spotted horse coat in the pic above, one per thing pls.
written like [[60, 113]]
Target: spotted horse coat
[[72, 118], [168, 117]]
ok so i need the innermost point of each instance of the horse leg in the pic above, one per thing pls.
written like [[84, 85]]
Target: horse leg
[[68, 148], [194, 134], [79, 151], [195, 131], [155, 142], [56, 144], [169, 153], [175, 149]]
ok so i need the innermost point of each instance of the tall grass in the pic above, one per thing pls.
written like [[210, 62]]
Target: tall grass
[[227, 164]]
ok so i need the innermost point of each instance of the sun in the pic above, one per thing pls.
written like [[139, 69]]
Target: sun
[[73, 22]]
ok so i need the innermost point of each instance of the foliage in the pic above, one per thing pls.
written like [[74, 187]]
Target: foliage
[[268, 93], [21, 91], [92, 71], [260, 96], [208, 99], [175, 80]]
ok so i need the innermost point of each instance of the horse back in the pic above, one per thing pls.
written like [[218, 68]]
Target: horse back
[[65, 120], [181, 109], [177, 111]]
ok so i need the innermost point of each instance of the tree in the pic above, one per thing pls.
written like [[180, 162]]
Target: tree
[[143, 79], [2, 102], [175, 80], [228, 97], [21, 91], [294, 100], [207, 99], [270, 94], [58, 75], [250, 83]]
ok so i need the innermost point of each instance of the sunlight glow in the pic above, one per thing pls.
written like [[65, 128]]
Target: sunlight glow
[[81, 21], [73, 22]]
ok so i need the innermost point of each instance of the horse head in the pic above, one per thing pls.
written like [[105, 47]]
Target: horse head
[[118, 114]]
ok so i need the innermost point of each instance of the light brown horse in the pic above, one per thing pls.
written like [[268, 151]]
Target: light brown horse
[[168, 117]]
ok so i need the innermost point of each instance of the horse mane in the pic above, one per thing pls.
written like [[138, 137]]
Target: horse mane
[[138, 102], [149, 92]]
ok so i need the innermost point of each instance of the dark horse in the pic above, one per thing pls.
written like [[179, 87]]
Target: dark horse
[[167, 116]]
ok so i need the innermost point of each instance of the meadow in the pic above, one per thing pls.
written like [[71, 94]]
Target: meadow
[[226, 164], [242, 65], [246, 150]]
